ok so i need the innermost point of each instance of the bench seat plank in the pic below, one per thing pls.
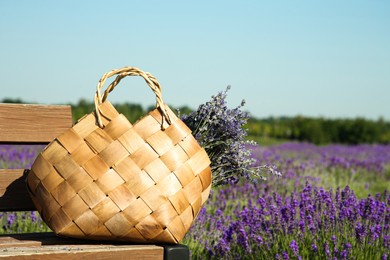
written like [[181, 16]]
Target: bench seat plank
[[8, 242], [146, 252], [48, 246]]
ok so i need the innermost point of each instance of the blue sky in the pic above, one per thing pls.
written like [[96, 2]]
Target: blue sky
[[285, 58]]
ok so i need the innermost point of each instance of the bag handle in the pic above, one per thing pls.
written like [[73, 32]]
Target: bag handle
[[121, 73]]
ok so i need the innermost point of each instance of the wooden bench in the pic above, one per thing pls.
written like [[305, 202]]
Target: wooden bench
[[37, 125]]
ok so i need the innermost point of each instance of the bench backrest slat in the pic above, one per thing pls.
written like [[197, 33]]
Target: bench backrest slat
[[31, 124]]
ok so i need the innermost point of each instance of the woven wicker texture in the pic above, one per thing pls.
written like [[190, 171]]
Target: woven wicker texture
[[107, 179]]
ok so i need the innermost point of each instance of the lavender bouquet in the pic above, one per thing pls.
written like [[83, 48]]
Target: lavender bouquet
[[221, 132]]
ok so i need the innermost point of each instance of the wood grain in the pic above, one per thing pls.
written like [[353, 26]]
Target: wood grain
[[33, 123], [49, 246]]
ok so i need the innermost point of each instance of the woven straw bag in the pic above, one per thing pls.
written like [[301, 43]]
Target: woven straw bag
[[106, 179]]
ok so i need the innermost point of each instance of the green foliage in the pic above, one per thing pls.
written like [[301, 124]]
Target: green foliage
[[81, 108], [320, 130], [12, 100], [299, 128]]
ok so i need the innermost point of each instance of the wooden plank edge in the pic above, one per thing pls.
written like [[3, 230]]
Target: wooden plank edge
[[147, 252]]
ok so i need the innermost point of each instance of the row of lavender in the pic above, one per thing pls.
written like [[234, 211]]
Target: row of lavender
[[364, 168], [19, 157], [311, 224], [303, 214], [300, 215]]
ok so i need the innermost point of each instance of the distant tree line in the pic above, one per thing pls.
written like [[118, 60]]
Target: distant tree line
[[321, 130], [299, 128]]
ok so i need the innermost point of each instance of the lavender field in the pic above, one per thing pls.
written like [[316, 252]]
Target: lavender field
[[332, 202]]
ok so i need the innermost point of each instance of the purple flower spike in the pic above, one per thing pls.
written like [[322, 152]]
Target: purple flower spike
[[314, 248], [294, 247], [11, 219]]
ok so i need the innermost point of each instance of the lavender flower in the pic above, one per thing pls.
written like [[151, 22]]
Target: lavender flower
[[33, 216], [220, 131], [314, 248], [326, 250], [386, 241], [360, 232], [334, 240], [285, 256], [11, 219], [294, 247]]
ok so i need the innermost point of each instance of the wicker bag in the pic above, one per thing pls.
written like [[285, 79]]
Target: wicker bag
[[107, 179]]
